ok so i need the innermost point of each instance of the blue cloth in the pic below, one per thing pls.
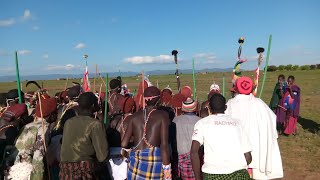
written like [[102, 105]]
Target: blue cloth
[[145, 164]]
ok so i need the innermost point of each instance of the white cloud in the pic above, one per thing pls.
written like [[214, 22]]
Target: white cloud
[[65, 67], [45, 56], [35, 28], [5, 53], [7, 70], [7, 22], [207, 56], [26, 15], [24, 52], [80, 46], [161, 59]]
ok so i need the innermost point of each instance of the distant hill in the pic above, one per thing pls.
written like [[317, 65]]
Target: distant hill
[[112, 74]]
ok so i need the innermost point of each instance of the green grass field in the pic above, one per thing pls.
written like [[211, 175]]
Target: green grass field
[[300, 154]]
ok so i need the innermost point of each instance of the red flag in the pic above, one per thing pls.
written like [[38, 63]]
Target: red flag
[[86, 82]]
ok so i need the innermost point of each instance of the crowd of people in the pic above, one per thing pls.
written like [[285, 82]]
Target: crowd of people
[[155, 134]]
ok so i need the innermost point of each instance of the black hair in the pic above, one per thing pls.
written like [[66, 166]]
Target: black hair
[[291, 77], [74, 92], [13, 94], [87, 100], [115, 83], [281, 76], [3, 97], [217, 103]]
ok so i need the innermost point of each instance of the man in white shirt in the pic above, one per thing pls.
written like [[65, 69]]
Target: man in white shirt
[[259, 123], [226, 146]]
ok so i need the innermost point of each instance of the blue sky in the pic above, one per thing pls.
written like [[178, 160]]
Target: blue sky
[[52, 36]]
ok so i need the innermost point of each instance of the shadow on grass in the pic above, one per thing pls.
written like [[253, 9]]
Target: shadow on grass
[[309, 125]]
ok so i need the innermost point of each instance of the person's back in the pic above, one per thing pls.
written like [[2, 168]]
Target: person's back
[[83, 142], [259, 123], [149, 128], [77, 143], [226, 146], [184, 130]]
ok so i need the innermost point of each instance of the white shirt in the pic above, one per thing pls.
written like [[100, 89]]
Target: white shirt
[[259, 123], [224, 144]]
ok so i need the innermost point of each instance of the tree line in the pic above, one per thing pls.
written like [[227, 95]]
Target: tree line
[[291, 67]]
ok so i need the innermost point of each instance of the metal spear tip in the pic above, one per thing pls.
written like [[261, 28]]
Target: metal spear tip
[[260, 50], [85, 56], [174, 52], [241, 40]]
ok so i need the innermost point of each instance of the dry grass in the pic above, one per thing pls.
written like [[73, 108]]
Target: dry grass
[[301, 155]]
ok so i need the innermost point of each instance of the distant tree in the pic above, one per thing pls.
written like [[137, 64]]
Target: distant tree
[[318, 66], [281, 67], [295, 67], [288, 67], [305, 67], [272, 68], [313, 67]]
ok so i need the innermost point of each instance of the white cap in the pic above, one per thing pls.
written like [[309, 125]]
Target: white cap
[[214, 87]]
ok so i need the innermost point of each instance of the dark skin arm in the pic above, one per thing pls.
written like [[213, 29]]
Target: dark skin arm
[[126, 139], [248, 157], [164, 139], [195, 159]]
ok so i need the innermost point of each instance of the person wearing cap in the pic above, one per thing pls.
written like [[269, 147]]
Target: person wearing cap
[[214, 89], [226, 145], [259, 123], [149, 158], [184, 129], [32, 142], [84, 142]]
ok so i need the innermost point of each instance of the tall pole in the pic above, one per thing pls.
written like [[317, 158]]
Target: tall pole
[[94, 80], [223, 85], [18, 77], [266, 66], [106, 101], [194, 80]]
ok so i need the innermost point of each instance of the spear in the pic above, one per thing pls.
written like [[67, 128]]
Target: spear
[[18, 77], [106, 101], [260, 50], [266, 66], [94, 80], [174, 53], [194, 80]]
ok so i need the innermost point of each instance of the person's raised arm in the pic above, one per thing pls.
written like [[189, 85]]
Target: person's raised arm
[[195, 160], [99, 141]]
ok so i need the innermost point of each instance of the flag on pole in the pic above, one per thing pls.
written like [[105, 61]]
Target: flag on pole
[[86, 81]]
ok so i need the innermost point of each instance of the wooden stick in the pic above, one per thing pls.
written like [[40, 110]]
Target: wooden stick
[[43, 133], [94, 80], [142, 77]]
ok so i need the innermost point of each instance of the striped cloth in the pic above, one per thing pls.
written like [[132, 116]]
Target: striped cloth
[[185, 171], [238, 175], [145, 164]]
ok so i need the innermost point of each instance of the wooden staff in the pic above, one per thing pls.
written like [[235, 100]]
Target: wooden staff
[[43, 133], [65, 87], [266, 66], [94, 80], [142, 95], [174, 53]]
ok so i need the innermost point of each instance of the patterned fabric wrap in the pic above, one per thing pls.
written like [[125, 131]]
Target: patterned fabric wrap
[[145, 164], [238, 175], [185, 171], [31, 148], [77, 170]]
